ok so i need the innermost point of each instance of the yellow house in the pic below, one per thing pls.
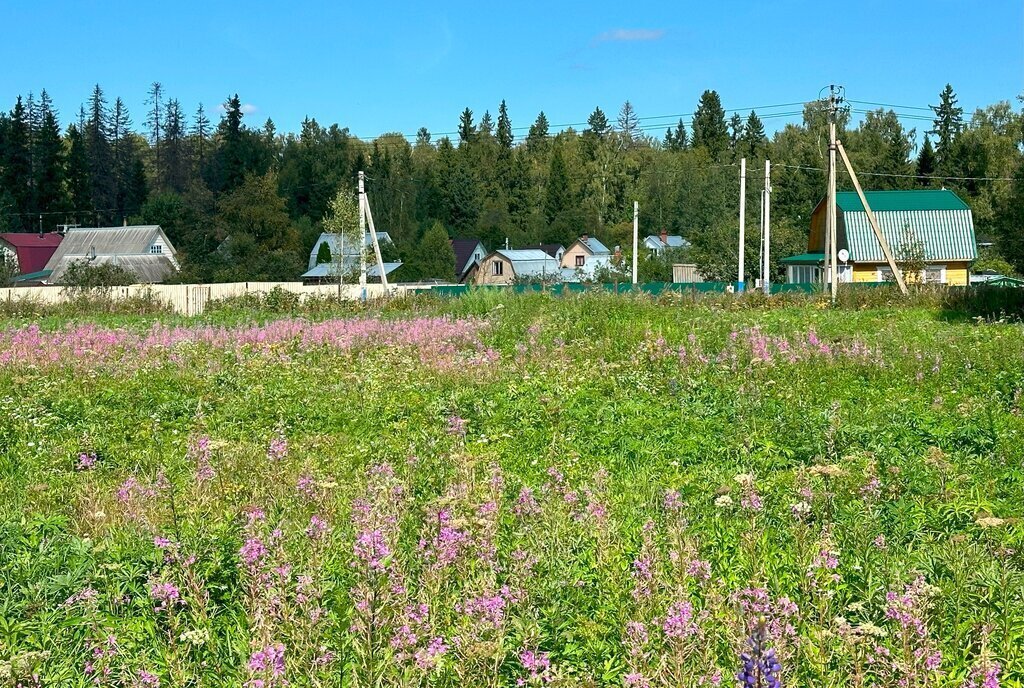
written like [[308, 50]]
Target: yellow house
[[931, 224]]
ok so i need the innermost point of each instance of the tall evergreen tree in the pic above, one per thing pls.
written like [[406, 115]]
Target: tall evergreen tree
[[735, 133], [176, 162], [597, 124], [79, 187], [486, 125], [925, 163], [754, 140], [537, 136], [557, 191], [103, 184], [200, 134], [49, 157], [155, 123], [467, 131], [629, 125], [676, 139], [709, 128], [231, 153], [949, 120], [16, 164], [422, 137], [504, 133]]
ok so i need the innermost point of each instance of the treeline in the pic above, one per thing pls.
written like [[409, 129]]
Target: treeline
[[241, 201]]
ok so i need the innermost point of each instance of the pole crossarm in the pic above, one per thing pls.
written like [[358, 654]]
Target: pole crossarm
[[882, 241]]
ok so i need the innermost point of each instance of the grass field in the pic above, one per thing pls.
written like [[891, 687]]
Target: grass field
[[499, 491]]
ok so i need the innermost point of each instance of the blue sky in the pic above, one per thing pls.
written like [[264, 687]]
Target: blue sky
[[396, 66]]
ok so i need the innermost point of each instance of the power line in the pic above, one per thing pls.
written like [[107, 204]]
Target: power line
[[890, 105], [937, 177]]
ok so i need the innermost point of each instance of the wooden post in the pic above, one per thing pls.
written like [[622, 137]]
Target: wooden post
[[376, 245], [636, 234], [896, 272]]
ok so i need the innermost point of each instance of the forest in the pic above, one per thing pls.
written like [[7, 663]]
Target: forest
[[241, 200]]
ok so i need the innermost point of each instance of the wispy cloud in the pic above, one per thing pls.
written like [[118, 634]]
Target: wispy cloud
[[629, 35], [247, 108]]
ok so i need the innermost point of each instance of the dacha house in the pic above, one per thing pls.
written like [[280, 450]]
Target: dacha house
[[143, 250], [26, 255], [930, 227]]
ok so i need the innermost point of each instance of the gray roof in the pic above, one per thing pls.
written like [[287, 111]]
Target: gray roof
[[327, 269], [127, 247], [671, 241], [530, 261], [335, 244], [595, 246]]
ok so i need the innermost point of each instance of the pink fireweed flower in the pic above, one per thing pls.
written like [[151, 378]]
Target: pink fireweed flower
[[985, 674], [488, 610], [166, 596], [86, 461], [699, 569], [317, 527], [637, 637], [679, 622], [277, 450], [673, 500], [85, 595], [372, 549], [538, 664], [429, 657], [635, 679], [880, 542], [456, 425], [269, 660], [907, 608], [200, 453], [148, 679], [306, 486], [526, 503], [252, 552], [872, 488]]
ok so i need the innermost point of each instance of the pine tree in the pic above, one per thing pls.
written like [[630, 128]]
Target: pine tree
[[49, 157], [486, 125], [537, 136], [947, 125], [925, 163], [629, 125], [467, 131], [709, 128], [154, 120], [505, 137]]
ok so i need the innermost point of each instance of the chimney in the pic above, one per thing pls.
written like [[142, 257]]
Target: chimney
[[664, 236], [125, 222], [584, 237]]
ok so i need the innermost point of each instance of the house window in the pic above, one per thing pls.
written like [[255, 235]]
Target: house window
[[580, 260], [497, 268], [885, 275], [804, 273], [156, 248], [935, 274]]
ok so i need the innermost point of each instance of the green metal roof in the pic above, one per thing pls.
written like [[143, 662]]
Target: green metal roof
[[33, 276], [805, 258], [921, 199]]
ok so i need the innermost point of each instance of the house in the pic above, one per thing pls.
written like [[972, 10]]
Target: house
[[468, 254], [658, 244], [933, 224], [505, 266], [321, 270], [554, 250], [28, 254], [143, 250], [585, 257]]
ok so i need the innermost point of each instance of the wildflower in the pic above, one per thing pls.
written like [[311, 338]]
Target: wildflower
[[984, 674], [673, 501], [636, 680], [800, 510], [199, 452], [86, 461], [317, 527], [86, 594], [277, 450], [148, 679], [252, 552], [166, 595], [724, 501], [990, 521], [679, 621], [761, 669], [429, 657], [269, 660], [880, 542], [196, 636], [538, 664], [371, 548], [456, 425], [526, 503], [908, 608], [699, 569], [872, 488], [636, 637], [306, 486]]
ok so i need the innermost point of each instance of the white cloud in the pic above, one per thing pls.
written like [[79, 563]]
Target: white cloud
[[247, 108], [619, 35]]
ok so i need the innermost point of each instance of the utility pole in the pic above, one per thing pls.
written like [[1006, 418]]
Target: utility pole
[[743, 220], [362, 238], [376, 244], [766, 217], [636, 230], [835, 98]]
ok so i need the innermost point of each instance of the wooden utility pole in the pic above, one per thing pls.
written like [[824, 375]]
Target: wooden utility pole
[[636, 234], [832, 258], [743, 221], [362, 238], [882, 241], [376, 244], [766, 233]]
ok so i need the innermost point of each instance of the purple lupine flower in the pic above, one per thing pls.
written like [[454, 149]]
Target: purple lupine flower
[[761, 669]]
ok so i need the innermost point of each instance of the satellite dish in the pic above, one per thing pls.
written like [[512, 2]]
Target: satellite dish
[[843, 255]]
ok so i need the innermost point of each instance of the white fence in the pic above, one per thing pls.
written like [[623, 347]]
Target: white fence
[[191, 299]]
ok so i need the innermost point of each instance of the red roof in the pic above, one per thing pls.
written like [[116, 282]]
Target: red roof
[[33, 251]]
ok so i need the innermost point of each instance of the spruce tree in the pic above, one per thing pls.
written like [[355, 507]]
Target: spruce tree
[[231, 154], [486, 125], [709, 128], [422, 137], [504, 133], [557, 191], [926, 163], [597, 124], [537, 136], [16, 164], [103, 184], [154, 120], [735, 133], [629, 125], [78, 185], [466, 129], [176, 163], [435, 258], [676, 139], [754, 141], [200, 134], [49, 157], [948, 123]]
